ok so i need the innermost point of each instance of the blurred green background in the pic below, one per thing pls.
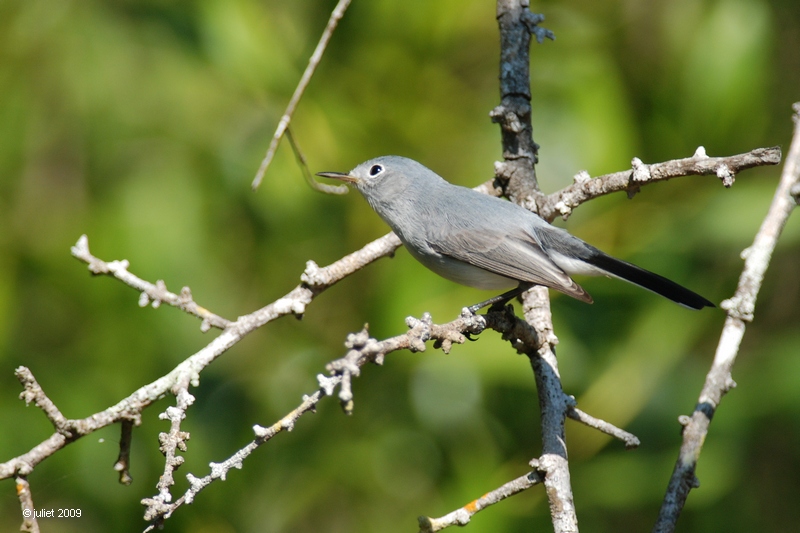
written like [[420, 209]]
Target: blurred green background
[[142, 122]]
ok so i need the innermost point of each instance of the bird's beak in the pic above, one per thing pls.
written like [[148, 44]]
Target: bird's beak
[[341, 176]]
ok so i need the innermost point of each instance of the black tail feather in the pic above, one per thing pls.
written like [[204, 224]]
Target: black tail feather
[[650, 281]]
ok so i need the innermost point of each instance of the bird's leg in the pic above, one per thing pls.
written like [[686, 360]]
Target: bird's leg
[[500, 299]]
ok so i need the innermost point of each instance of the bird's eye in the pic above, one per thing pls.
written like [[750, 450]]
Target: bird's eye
[[374, 170]]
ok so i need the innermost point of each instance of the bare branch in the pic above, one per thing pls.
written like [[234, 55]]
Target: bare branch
[[520, 153], [152, 294], [740, 310], [535, 337], [314, 184], [29, 522], [562, 203], [517, 175], [32, 393], [630, 440], [315, 280], [333, 21], [123, 464], [554, 405], [172, 443], [362, 349], [462, 516]]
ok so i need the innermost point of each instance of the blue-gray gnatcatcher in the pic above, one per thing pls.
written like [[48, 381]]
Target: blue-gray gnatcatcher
[[486, 242]]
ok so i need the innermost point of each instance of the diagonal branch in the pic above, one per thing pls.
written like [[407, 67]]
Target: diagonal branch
[[283, 125], [362, 349], [315, 280], [151, 294], [740, 310], [462, 515], [629, 439]]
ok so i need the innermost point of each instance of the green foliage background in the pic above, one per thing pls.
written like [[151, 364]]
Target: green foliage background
[[141, 124]]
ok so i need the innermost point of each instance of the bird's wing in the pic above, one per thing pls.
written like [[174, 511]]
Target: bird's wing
[[518, 256]]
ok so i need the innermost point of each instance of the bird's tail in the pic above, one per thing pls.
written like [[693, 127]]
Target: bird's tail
[[648, 280], [575, 256]]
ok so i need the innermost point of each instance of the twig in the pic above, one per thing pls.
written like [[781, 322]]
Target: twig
[[740, 310], [585, 188], [314, 184], [315, 280], [538, 338], [29, 522], [32, 393], [462, 516], [362, 349], [630, 440], [123, 464], [172, 443], [151, 294], [336, 15]]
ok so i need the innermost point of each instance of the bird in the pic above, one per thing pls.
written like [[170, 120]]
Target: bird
[[487, 242]]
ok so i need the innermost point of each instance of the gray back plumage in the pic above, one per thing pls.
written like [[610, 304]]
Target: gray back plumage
[[486, 242], [444, 225]]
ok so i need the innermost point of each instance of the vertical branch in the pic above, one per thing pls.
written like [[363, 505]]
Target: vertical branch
[[518, 176], [740, 310], [554, 406], [520, 152], [29, 522], [123, 464]]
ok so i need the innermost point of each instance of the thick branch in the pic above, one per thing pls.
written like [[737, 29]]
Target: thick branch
[[554, 405], [518, 175]]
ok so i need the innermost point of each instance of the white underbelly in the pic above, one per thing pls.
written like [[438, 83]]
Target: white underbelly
[[465, 274]]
